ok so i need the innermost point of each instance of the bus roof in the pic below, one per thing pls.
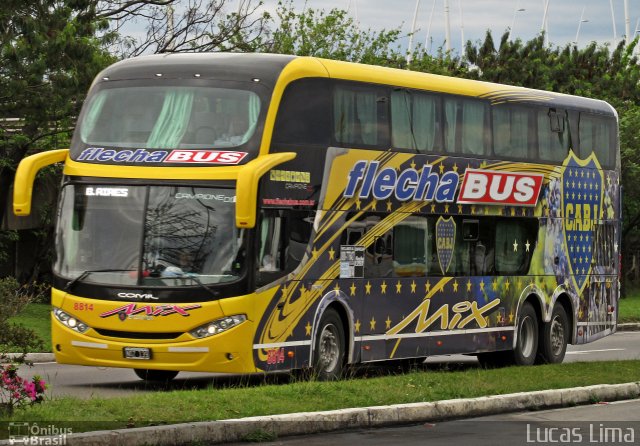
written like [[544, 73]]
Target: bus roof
[[269, 67]]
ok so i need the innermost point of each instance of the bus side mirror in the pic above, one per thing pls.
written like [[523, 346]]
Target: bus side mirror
[[26, 175], [247, 185]]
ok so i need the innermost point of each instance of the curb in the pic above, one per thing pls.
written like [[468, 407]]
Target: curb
[[367, 417], [629, 326], [35, 357]]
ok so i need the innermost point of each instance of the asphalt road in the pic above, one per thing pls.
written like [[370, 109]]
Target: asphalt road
[[613, 423], [85, 382]]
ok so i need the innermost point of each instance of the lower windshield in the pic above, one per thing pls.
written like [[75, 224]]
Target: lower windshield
[[148, 235]]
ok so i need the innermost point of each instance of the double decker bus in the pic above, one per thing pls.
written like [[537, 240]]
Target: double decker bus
[[250, 212]]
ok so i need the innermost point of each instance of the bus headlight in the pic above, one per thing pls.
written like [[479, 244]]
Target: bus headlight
[[218, 326], [70, 321]]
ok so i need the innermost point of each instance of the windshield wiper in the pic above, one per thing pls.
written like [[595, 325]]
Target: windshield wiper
[[86, 273], [197, 280]]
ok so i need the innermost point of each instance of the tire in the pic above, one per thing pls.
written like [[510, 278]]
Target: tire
[[527, 332], [554, 337], [329, 347], [156, 375]]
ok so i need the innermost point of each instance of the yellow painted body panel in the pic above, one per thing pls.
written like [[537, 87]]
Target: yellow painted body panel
[[26, 175], [189, 354]]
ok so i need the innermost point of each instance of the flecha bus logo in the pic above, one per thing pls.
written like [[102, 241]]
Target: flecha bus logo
[[479, 186], [204, 156], [493, 187]]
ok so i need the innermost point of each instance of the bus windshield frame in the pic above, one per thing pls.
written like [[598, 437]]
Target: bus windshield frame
[[158, 236], [161, 116]]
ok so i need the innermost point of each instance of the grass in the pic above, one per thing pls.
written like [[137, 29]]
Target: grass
[[629, 308], [38, 318], [218, 402]]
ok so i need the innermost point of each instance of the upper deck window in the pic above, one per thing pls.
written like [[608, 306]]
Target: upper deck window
[[170, 117], [597, 134], [355, 116], [414, 120]]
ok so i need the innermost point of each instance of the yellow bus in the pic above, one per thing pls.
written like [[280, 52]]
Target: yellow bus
[[251, 212]]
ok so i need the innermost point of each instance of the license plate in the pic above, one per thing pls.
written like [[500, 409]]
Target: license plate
[[137, 353]]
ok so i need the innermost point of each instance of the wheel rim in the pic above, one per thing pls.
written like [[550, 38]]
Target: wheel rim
[[526, 336], [557, 336], [329, 350]]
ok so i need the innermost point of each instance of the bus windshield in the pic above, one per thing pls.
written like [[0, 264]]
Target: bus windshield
[[148, 235], [169, 117]]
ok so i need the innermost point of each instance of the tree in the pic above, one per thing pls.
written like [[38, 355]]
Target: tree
[[184, 25], [49, 56], [331, 35]]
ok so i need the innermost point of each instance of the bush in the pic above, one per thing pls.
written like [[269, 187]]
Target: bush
[[13, 299]]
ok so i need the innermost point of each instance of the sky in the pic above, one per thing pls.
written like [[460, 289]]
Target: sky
[[474, 17]]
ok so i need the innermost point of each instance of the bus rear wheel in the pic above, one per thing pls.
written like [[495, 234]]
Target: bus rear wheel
[[156, 375], [527, 332], [554, 337], [329, 348]]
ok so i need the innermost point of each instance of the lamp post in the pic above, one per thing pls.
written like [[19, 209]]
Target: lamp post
[[427, 42], [582, 20], [413, 31], [516, 10]]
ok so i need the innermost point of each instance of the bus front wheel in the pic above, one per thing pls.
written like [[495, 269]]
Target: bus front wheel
[[527, 332], [156, 375], [554, 337], [329, 348]]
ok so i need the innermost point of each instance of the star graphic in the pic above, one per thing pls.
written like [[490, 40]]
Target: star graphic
[[398, 287], [494, 285], [336, 288], [358, 204], [413, 286], [482, 285], [372, 324], [469, 285], [455, 286], [527, 245], [367, 288], [433, 208], [511, 317], [515, 246], [332, 254], [427, 286], [389, 208], [387, 323], [383, 287], [353, 289], [441, 168], [446, 208], [374, 203], [459, 209], [314, 252], [455, 167], [356, 326], [506, 285], [413, 164], [307, 329]]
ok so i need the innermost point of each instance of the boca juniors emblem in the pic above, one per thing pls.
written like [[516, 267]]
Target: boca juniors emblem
[[445, 241], [582, 191]]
